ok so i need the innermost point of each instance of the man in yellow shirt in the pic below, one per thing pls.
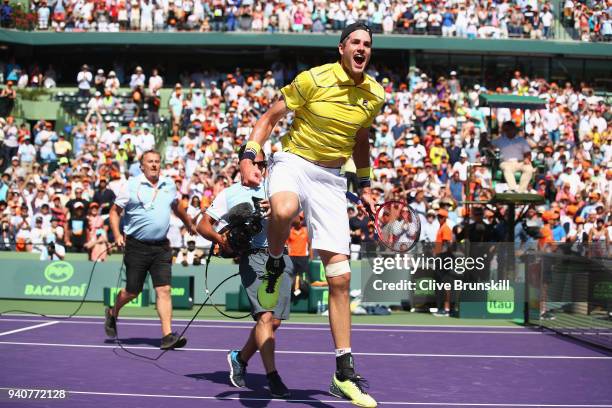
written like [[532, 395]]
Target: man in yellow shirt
[[62, 147], [334, 105]]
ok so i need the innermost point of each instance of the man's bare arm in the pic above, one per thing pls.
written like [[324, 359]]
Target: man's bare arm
[[114, 216]]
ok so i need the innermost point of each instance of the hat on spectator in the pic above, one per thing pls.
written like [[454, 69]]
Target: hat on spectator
[[579, 220], [112, 74], [178, 85], [85, 66], [453, 73], [92, 205], [15, 158], [100, 71], [431, 212], [443, 213], [175, 138], [550, 215], [139, 68]]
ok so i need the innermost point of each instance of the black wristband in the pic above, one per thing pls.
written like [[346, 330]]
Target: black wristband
[[249, 155]]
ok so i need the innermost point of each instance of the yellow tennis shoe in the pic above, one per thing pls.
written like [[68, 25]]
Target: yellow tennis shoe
[[269, 290], [353, 390]]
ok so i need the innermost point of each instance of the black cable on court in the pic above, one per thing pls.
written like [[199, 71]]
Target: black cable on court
[[71, 315], [208, 297], [117, 339]]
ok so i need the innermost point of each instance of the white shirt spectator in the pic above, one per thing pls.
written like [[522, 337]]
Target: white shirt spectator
[[147, 140], [84, 79], [462, 168], [137, 80], [110, 136], [551, 120], [155, 83]]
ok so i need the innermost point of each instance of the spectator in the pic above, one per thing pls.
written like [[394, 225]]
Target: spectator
[[7, 99], [77, 226], [84, 79], [515, 156], [137, 79]]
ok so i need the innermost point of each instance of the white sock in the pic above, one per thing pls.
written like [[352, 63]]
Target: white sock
[[342, 351]]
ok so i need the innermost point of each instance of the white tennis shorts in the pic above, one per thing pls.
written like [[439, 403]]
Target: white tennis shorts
[[322, 195]]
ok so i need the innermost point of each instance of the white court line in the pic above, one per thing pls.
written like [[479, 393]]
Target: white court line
[[28, 328], [213, 350], [283, 327], [335, 401], [288, 322]]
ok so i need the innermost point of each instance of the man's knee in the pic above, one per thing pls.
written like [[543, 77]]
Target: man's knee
[[284, 207], [266, 319], [340, 284], [506, 166], [163, 291], [528, 169]]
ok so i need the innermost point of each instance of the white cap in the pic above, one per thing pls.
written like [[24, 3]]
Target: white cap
[[453, 73], [100, 71], [476, 87], [463, 154]]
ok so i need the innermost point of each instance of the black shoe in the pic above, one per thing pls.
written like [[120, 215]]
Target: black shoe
[[547, 316], [269, 290], [277, 388], [172, 341], [237, 369], [110, 323]]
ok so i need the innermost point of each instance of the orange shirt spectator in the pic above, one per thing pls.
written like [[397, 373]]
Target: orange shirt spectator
[[445, 234], [298, 241]]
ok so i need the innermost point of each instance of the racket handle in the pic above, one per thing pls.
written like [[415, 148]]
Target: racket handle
[[354, 198]]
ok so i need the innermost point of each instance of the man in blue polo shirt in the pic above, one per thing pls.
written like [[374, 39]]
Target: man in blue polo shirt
[[147, 200]]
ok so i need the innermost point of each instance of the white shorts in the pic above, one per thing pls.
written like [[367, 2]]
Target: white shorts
[[322, 195]]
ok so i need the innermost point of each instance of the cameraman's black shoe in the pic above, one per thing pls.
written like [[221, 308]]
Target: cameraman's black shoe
[[269, 290], [172, 341], [277, 388], [110, 323]]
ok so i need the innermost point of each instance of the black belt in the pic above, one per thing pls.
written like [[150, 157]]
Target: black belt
[[160, 242]]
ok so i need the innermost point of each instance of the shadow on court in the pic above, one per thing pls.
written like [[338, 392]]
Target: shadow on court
[[134, 341], [257, 388]]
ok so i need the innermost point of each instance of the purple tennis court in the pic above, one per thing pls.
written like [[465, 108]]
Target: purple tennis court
[[420, 366]]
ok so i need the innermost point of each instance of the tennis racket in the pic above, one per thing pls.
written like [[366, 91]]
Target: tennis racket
[[398, 226]]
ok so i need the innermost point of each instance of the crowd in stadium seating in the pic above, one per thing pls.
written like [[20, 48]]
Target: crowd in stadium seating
[[57, 185], [588, 23], [465, 18]]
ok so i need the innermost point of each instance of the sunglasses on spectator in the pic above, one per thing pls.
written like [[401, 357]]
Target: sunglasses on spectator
[[262, 164]]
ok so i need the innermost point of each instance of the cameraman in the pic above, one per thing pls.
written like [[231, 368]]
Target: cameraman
[[253, 256], [53, 250]]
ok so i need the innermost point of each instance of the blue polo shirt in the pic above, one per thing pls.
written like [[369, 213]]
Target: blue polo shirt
[[147, 208]]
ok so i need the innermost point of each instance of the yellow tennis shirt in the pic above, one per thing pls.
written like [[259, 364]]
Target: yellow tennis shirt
[[329, 110]]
